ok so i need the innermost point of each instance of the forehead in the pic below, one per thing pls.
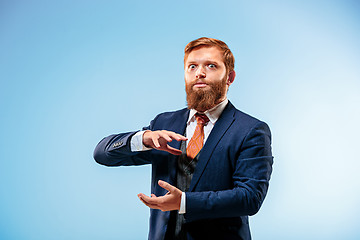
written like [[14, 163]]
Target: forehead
[[205, 53]]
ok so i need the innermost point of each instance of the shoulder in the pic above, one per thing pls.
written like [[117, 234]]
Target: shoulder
[[246, 120], [172, 114], [250, 130], [170, 120]]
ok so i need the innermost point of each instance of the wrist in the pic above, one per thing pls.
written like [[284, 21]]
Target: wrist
[[146, 140]]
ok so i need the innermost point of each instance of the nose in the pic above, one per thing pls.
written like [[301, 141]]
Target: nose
[[200, 72]]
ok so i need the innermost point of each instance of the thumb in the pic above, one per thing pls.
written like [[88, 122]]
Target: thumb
[[166, 186]]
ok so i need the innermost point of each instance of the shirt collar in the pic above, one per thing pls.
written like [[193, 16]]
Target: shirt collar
[[213, 114]]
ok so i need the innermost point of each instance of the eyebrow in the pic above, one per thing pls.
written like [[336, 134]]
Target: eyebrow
[[206, 61]]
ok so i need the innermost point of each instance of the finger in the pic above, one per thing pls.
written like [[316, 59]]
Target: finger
[[152, 206], [165, 135], [181, 137], [143, 195], [149, 205], [166, 186], [156, 141], [172, 150], [141, 199], [177, 136], [150, 200]]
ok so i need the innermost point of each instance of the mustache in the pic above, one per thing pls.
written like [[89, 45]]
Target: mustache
[[198, 81]]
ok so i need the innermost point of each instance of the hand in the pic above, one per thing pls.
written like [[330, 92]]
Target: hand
[[168, 202], [160, 139]]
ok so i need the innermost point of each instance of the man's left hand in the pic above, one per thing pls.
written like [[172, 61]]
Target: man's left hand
[[168, 202]]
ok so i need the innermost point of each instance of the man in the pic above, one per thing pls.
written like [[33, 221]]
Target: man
[[211, 163]]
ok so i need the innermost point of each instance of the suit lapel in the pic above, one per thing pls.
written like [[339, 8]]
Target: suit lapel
[[178, 126], [221, 126]]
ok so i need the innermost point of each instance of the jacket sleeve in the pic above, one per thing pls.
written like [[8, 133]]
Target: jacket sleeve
[[115, 150], [250, 178]]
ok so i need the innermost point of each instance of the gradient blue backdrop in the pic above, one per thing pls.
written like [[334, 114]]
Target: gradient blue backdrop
[[72, 72]]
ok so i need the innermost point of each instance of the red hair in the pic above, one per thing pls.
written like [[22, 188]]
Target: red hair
[[228, 57]]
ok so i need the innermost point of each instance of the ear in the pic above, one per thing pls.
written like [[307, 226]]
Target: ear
[[231, 78]]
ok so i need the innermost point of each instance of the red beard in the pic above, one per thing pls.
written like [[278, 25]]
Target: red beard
[[205, 99]]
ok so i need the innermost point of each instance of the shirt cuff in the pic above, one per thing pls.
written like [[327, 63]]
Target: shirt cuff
[[136, 143], [182, 203]]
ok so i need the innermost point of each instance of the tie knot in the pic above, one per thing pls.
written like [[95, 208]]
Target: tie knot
[[201, 119]]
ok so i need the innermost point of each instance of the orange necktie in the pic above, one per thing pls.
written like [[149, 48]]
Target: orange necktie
[[197, 140]]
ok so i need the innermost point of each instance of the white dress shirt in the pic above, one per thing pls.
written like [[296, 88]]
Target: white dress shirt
[[213, 114]]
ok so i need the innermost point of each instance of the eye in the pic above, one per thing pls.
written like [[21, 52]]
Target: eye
[[212, 65], [192, 66]]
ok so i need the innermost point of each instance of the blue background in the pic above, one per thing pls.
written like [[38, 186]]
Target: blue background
[[72, 72]]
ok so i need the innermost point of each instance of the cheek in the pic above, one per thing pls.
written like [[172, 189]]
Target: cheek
[[214, 76], [221, 76], [188, 76]]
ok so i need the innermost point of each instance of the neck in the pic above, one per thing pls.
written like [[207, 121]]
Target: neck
[[212, 106]]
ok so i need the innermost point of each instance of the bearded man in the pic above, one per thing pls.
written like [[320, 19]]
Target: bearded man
[[211, 163]]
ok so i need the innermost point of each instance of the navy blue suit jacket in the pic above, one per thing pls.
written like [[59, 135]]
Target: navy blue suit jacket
[[230, 180]]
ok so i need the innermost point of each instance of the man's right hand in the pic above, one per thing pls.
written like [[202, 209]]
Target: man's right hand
[[160, 139]]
